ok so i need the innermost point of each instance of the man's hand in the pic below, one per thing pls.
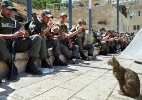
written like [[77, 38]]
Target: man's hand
[[50, 24], [70, 45], [25, 33], [21, 33]]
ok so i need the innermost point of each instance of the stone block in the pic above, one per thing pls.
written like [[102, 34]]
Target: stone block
[[96, 51]]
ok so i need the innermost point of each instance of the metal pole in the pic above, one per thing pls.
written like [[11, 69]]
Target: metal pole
[[70, 13], [117, 15], [90, 16], [29, 10]]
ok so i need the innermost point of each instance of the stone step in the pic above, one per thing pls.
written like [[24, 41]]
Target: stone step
[[22, 59]]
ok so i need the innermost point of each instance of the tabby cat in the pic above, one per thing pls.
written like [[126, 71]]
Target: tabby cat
[[129, 82]]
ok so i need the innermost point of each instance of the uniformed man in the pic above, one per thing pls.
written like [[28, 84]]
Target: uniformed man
[[45, 21], [69, 50], [80, 40], [111, 41], [116, 41], [102, 41], [31, 43], [121, 40]]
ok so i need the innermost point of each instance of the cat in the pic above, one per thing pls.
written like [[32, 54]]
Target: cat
[[129, 82]]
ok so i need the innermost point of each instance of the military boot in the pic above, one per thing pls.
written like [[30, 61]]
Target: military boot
[[84, 57], [75, 60], [58, 62], [46, 67], [30, 67], [13, 72], [45, 64]]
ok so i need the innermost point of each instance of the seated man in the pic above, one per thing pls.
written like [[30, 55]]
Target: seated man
[[111, 41], [69, 50], [45, 25], [102, 41], [116, 41], [80, 40], [29, 43]]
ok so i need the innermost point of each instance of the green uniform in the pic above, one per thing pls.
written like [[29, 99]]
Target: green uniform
[[67, 52], [31, 44], [78, 40], [98, 43], [46, 43]]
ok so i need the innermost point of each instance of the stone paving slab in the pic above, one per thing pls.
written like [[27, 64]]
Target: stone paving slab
[[92, 80]]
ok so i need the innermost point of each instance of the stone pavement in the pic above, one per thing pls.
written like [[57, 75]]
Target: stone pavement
[[92, 80]]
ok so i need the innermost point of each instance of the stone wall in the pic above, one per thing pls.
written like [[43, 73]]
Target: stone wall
[[99, 13], [136, 20]]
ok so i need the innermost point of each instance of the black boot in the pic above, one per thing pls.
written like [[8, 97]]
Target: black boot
[[30, 67], [84, 57], [13, 72], [58, 62], [44, 64]]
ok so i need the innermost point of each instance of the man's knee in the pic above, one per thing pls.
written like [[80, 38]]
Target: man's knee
[[36, 37], [2, 40]]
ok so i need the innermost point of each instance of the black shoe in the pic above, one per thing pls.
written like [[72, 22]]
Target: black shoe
[[111, 50], [30, 67], [13, 71], [33, 70], [71, 61], [58, 62], [0, 81], [105, 52], [83, 56], [44, 64]]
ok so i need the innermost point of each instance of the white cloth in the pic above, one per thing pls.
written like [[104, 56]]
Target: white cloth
[[134, 49]]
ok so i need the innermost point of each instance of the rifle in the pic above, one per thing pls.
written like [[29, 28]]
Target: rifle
[[37, 22], [15, 41]]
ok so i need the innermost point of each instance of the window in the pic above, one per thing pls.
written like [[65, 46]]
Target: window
[[102, 22], [136, 27], [136, 13]]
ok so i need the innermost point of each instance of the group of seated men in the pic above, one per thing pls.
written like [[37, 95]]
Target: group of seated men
[[37, 37], [111, 41], [42, 33]]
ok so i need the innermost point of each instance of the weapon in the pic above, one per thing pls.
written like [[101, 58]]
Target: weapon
[[37, 22], [15, 41]]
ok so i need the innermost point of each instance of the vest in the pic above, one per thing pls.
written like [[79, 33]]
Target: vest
[[6, 25]]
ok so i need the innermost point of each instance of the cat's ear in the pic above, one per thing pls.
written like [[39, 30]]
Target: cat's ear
[[113, 57]]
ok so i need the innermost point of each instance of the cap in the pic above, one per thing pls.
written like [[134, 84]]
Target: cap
[[8, 4], [103, 29], [81, 20], [113, 31], [47, 13], [109, 31], [63, 14]]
